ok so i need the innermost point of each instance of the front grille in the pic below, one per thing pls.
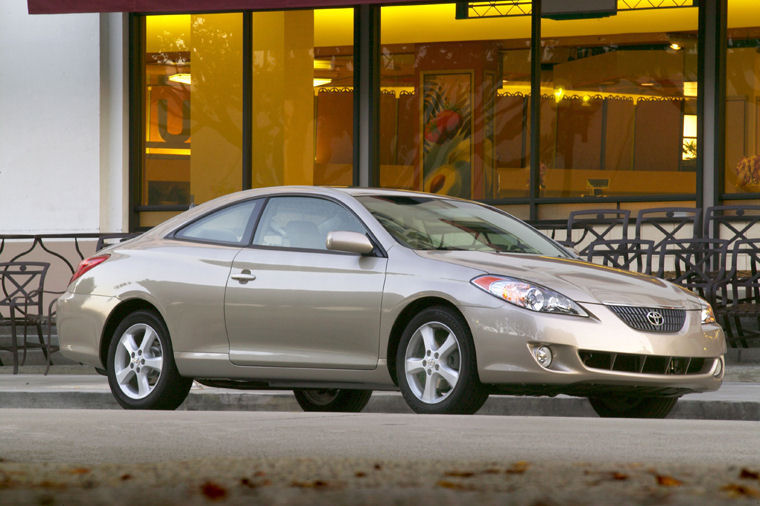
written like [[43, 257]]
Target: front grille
[[644, 364], [636, 318]]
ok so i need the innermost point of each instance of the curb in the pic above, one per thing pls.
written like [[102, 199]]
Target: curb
[[381, 402]]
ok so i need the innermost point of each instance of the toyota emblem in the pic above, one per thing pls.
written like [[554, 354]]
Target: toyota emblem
[[655, 318]]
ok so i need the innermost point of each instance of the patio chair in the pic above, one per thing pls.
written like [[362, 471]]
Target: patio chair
[[595, 225], [698, 265], [21, 307], [744, 300], [626, 254]]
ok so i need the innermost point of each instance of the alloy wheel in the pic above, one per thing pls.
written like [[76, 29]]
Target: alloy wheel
[[432, 362], [138, 361]]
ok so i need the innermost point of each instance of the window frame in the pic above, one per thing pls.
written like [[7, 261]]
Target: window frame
[[711, 78], [378, 250], [247, 234]]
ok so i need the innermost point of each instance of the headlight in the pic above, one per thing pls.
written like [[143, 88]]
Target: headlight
[[707, 314], [528, 295]]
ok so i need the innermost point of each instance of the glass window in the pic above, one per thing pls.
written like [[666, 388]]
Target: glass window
[[426, 223], [742, 165], [619, 104], [454, 102], [228, 225], [192, 77], [302, 102], [303, 222]]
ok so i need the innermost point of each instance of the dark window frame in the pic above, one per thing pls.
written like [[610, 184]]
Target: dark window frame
[[367, 17]]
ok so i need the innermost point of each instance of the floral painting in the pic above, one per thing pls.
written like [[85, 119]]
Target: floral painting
[[447, 133]]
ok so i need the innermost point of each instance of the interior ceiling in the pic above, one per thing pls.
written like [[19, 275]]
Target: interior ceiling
[[425, 24]]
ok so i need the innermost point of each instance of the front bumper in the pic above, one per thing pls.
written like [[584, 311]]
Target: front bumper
[[504, 337]]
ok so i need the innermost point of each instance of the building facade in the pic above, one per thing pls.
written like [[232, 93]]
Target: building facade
[[115, 121]]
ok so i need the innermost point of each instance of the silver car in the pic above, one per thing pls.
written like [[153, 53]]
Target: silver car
[[335, 292]]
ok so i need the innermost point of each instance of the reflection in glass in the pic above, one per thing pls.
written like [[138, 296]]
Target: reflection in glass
[[619, 104], [302, 103], [193, 109], [453, 102], [742, 164]]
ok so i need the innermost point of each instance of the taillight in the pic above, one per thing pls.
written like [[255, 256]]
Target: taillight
[[87, 264]]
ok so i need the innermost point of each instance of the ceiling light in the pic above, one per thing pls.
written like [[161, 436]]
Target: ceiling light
[[648, 83], [675, 46], [318, 81], [690, 88], [323, 64], [558, 94], [180, 78]]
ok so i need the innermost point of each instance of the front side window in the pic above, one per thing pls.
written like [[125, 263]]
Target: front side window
[[424, 223], [303, 223], [228, 225]]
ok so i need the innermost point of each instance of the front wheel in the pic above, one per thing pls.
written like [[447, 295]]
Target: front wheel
[[436, 367], [141, 369], [333, 399], [633, 407]]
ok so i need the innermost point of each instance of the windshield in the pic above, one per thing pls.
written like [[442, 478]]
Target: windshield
[[425, 223]]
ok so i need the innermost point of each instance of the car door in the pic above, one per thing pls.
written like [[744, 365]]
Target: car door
[[189, 273], [292, 303]]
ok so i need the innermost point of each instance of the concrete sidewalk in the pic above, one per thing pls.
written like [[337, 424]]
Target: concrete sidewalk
[[736, 400]]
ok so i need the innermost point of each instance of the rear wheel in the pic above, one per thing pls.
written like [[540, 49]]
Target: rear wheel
[[633, 407], [141, 369], [436, 367], [333, 399]]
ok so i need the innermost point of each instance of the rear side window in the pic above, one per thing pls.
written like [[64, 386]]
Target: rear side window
[[303, 223], [230, 225]]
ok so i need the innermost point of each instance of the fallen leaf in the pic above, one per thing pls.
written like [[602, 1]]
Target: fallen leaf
[[619, 476], [125, 477], [310, 484], [360, 474], [378, 467], [454, 486], [51, 484], [740, 490], [213, 491], [253, 484], [518, 467], [459, 474], [80, 470], [667, 481], [746, 474]]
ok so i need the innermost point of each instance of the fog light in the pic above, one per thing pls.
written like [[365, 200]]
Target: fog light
[[718, 369], [543, 355]]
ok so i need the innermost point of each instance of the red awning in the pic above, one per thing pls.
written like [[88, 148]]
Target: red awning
[[167, 6]]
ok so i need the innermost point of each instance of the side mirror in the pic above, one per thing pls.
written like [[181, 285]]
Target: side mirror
[[350, 242]]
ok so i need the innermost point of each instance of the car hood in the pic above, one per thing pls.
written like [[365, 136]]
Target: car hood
[[579, 280]]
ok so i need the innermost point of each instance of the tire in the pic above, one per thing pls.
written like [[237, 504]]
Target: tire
[[335, 399], [633, 407], [141, 370], [435, 364]]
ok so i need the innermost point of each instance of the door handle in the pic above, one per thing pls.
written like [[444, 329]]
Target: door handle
[[244, 276]]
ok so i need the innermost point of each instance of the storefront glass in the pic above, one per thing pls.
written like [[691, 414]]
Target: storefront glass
[[193, 91], [302, 102], [619, 104], [301, 105], [742, 165], [454, 102]]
